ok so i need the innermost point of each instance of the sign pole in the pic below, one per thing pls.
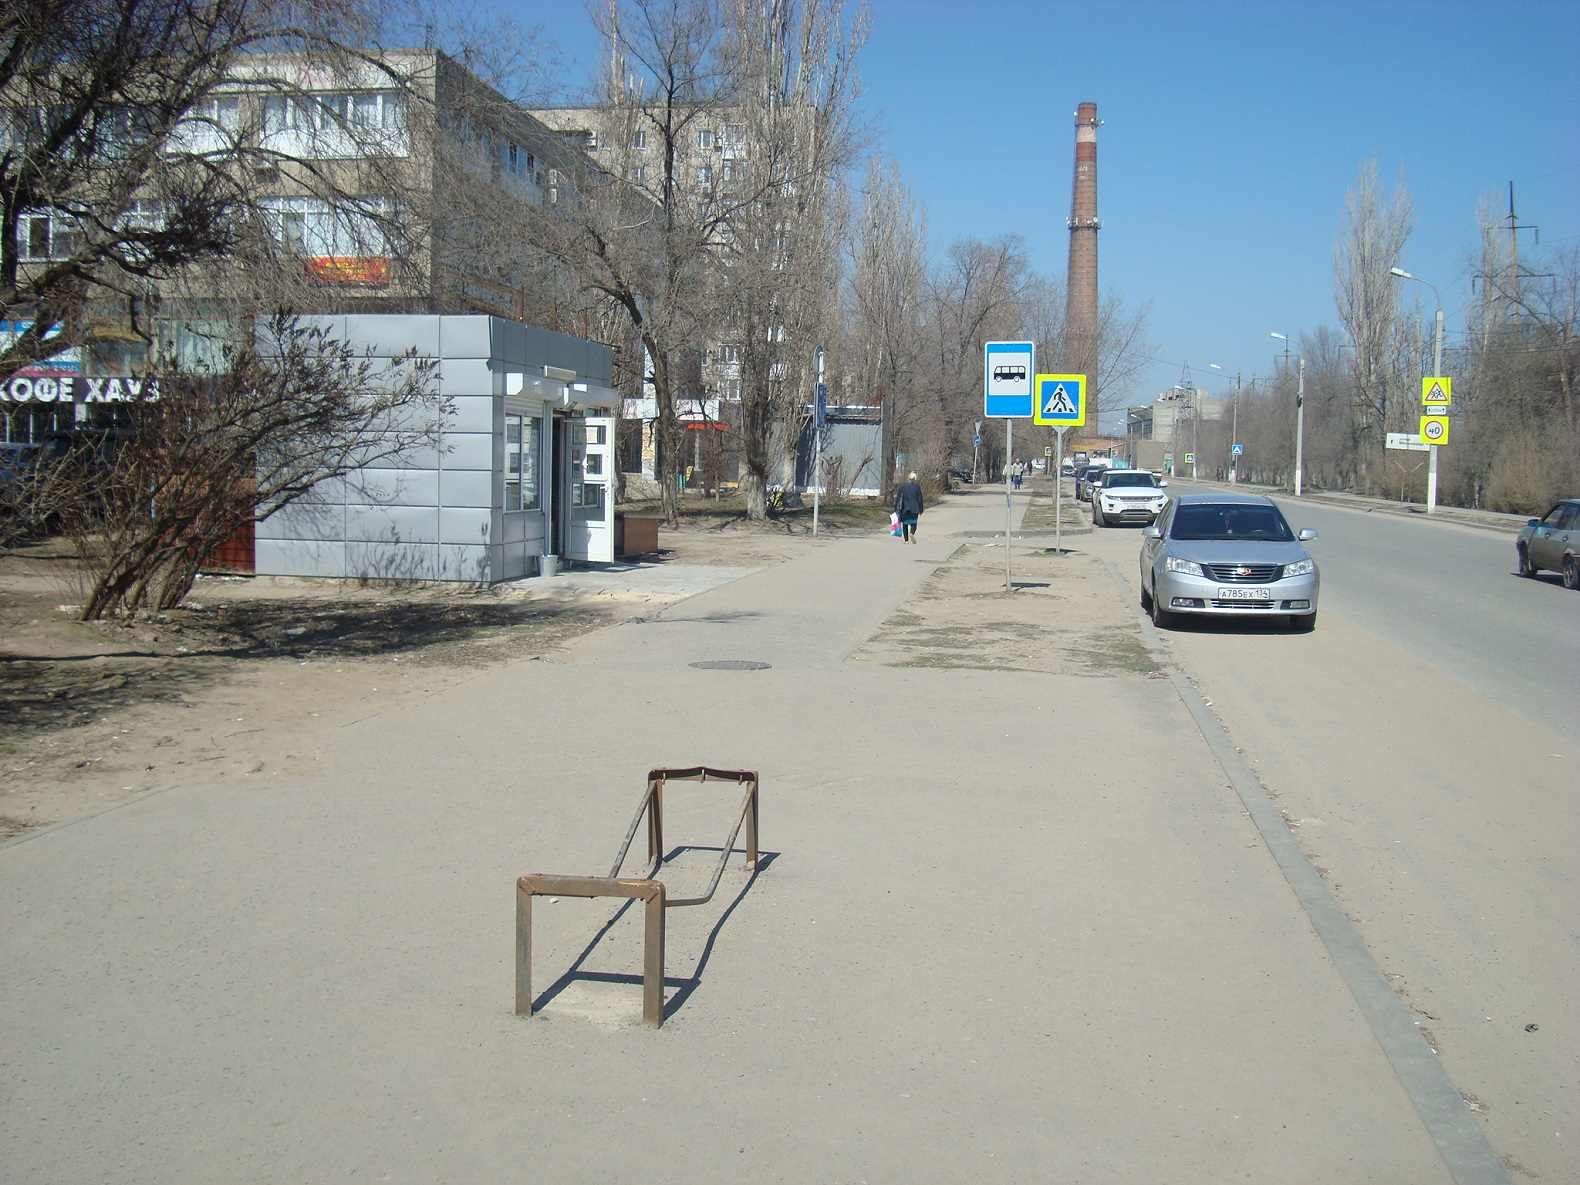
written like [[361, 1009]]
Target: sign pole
[[1009, 515], [1058, 496]]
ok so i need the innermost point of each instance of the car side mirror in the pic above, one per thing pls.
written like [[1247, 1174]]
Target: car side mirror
[[1163, 485], [1533, 522], [1307, 533], [1151, 531]]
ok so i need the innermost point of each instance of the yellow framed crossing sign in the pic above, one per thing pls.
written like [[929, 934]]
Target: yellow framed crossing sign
[[1061, 400], [1434, 429], [1437, 391]]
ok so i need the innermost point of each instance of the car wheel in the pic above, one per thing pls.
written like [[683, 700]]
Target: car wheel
[[1571, 573], [1526, 567], [1303, 623], [1097, 516], [1146, 600], [1161, 617]]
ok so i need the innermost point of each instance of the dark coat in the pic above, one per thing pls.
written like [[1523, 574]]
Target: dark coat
[[908, 500]]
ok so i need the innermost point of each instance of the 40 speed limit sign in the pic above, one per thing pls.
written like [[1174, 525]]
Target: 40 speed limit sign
[[1434, 429]]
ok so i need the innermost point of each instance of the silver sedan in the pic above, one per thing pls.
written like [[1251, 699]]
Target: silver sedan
[[1227, 554]]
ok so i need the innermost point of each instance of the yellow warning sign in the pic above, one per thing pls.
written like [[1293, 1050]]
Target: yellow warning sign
[[1434, 429], [1437, 391]]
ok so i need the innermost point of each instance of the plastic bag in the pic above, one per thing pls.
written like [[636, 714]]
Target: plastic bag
[[894, 523]]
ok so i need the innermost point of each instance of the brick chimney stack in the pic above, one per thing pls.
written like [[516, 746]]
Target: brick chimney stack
[[1081, 303]]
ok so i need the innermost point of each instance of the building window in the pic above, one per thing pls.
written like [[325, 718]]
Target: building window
[[705, 138], [44, 234], [343, 242], [330, 124], [326, 110], [639, 174], [730, 353], [704, 174], [521, 462], [729, 388], [734, 136], [210, 126], [639, 141]]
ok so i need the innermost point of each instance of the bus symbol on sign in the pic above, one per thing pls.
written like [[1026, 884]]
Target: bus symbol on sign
[[1009, 374]]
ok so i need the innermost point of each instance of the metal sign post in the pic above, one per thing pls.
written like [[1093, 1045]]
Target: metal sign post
[[1437, 392], [1009, 514], [1058, 495], [1061, 404], [1008, 369]]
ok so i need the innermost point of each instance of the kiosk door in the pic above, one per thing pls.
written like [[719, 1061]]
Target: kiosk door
[[589, 533]]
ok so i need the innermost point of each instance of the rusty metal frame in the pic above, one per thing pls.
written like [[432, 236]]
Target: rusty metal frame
[[644, 888]]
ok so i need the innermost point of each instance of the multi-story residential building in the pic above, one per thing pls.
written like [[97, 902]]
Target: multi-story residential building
[[393, 183]]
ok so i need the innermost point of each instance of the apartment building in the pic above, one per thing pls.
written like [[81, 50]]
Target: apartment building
[[392, 181]]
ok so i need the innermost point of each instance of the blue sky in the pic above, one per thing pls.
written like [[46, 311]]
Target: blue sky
[[1231, 133]]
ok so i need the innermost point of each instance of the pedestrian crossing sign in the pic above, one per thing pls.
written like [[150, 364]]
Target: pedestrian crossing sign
[[1437, 391], [1061, 400]]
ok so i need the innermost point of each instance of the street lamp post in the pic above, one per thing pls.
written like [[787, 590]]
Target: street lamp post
[[1437, 370], [1300, 413]]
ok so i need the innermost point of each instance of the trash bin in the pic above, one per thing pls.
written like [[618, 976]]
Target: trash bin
[[548, 565]]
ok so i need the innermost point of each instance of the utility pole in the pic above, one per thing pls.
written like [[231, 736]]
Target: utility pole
[[1300, 425], [1437, 364], [820, 422]]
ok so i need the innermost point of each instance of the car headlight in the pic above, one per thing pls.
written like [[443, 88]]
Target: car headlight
[[1300, 568], [1184, 567]]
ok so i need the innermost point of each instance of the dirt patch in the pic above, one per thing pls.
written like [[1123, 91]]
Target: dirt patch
[[246, 679], [1062, 618]]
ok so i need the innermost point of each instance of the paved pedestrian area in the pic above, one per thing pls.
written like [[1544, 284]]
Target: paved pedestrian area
[[1011, 926]]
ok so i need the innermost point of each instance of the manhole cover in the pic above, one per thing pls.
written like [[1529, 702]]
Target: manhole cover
[[730, 664]]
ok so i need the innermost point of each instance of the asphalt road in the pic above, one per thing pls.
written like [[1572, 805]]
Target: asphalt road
[[1420, 747], [1449, 595]]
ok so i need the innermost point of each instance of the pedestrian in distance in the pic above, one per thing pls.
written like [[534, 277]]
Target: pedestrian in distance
[[908, 505]]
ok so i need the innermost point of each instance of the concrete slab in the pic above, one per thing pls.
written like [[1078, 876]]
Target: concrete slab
[[1014, 927]]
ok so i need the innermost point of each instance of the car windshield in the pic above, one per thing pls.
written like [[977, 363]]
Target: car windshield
[[1128, 479], [1230, 521]]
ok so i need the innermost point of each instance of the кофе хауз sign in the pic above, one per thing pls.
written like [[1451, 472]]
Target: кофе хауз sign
[[77, 388]]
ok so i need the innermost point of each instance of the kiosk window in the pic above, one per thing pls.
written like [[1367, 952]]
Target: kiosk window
[[521, 462]]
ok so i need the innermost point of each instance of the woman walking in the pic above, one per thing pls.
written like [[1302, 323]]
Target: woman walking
[[908, 505]]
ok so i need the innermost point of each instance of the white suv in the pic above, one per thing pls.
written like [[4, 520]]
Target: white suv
[[1127, 496]]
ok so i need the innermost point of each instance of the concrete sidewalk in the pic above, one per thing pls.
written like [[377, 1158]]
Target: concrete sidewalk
[[1014, 927]]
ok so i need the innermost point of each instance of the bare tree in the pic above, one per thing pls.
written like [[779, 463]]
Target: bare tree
[[884, 305], [974, 297], [639, 234], [792, 64], [209, 453], [1373, 239]]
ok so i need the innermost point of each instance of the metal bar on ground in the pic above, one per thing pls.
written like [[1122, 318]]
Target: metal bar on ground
[[645, 888]]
